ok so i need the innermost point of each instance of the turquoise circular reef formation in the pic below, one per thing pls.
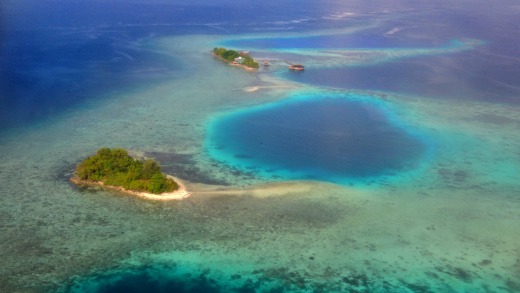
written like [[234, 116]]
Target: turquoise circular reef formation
[[330, 136]]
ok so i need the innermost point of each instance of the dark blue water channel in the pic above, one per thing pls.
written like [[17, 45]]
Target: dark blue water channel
[[331, 137], [441, 77]]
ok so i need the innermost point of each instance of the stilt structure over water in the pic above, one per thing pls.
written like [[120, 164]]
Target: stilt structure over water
[[296, 67], [292, 66]]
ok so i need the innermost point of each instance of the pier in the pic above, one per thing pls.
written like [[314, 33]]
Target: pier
[[269, 61], [261, 60]]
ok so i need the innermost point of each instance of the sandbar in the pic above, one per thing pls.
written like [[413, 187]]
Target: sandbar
[[261, 190]]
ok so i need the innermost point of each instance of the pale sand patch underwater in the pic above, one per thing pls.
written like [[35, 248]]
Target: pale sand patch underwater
[[251, 89]]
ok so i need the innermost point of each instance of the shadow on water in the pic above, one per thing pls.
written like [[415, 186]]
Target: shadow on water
[[184, 166], [162, 278], [144, 279]]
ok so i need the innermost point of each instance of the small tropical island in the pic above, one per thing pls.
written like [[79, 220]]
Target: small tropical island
[[116, 169], [236, 58]]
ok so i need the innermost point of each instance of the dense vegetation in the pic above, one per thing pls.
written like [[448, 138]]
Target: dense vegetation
[[115, 167], [230, 55]]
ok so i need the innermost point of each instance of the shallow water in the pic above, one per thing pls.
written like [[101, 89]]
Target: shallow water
[[361, 40], [449, 224]]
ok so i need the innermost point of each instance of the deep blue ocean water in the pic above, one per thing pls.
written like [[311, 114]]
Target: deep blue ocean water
[[466, 80], [61, 54], [45, 72], [57, 55], [321, 137]]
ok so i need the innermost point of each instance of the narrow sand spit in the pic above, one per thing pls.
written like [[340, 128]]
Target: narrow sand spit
[[178, 194], [258, 190]]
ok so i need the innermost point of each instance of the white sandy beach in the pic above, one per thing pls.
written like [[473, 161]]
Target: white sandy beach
[[179, 194]]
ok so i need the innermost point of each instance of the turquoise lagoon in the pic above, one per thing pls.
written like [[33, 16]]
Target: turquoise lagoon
[[399, 191]]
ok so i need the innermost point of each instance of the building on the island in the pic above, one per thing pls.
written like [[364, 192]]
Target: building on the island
[[297, 67], [243, 53], [238, 60]]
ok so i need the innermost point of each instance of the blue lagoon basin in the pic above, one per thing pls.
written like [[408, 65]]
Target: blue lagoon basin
[[337, 138]]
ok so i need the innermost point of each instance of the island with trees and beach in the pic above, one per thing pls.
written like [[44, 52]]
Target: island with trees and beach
[[116, 169], [239, 58]]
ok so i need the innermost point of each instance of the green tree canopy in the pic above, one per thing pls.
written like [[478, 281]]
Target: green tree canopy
[[115, 167], [230, 55]]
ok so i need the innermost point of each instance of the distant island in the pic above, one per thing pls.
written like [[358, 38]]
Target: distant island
[[236, 58], [116, 169]]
